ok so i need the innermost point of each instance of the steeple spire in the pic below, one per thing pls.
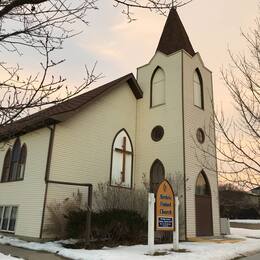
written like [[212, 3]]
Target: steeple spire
[[174, 36]]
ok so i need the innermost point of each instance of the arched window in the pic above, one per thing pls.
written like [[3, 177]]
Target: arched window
[[198, 89], [157, 174], [15, 160], [6, 166], [158, 87], [121, 160], [202, 185], [21, 164]]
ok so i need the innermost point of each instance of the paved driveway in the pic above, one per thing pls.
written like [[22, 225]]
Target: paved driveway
[[28, 254]]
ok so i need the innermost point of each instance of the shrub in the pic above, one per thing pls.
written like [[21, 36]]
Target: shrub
[[115, 225], [76, 223], [107, 198]]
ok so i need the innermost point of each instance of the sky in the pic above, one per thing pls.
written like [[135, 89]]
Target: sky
[[120, 47]]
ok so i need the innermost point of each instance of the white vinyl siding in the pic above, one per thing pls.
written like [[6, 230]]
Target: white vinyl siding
[[29, 193]]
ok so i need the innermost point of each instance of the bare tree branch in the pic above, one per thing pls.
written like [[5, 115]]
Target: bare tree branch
[[238, 138]]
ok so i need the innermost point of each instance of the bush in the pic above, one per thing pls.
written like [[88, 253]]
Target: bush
[[58, 212], [114, 225], [76, 223], [106, 198], [250, 213]]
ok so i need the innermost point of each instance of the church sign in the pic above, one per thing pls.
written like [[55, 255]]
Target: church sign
[[165, 207]]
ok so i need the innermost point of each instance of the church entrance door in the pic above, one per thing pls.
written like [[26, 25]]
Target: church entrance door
[[204, 225]]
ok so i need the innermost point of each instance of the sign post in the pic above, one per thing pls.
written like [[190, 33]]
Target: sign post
[[176, 231], [167, 214], [151, 201]]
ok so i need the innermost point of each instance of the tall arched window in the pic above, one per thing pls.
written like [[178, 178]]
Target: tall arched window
[[14, 163], [21, 164], [158, 87], [6, 166], [198, 89], [202, 185], [157, 174], [15, 160], [121, 160]]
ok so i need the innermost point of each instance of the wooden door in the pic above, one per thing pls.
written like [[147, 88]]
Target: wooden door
[[204, 223], [203, 216]]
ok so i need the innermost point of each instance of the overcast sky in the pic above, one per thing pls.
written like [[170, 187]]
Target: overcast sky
[[120, 47]]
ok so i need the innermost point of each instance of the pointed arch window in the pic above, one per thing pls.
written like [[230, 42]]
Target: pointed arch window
[[15, 160], [202, 185], [6, 166], [121, 160], [158, 88], [198, 89], [157, 174], [22, 161], [14, 163]]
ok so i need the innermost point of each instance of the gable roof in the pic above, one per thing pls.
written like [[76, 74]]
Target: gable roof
[[53, 114], [174, 36]]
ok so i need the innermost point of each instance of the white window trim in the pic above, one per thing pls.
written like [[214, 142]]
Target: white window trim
[[9, 218]]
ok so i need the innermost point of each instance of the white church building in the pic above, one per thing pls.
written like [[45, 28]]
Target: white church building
[[132, 128]]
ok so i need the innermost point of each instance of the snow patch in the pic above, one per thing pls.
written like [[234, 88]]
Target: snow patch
[[197, 250], [245, 221]]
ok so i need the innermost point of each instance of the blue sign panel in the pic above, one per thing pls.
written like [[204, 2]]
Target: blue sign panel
[[165, 222]]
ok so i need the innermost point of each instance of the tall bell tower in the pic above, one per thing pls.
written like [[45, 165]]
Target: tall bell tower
[[172, 117]]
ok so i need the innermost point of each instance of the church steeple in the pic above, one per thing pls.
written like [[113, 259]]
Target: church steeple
[[174, 36]]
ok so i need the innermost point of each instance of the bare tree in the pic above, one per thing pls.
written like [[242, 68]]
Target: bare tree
[[238, 138], [44, 25], [159, 6]]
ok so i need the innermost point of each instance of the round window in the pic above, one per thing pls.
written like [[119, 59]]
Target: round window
[[157, 133], [200, 136]]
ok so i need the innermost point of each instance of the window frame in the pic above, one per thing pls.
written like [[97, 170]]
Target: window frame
[[197, 71], [155, 162], [7, 230], [22, 162], [208, 189], [111, 161], [15, 171], [6, 164], [151, 88]]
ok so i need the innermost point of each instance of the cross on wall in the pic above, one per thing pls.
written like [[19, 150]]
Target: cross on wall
[[124, 153]]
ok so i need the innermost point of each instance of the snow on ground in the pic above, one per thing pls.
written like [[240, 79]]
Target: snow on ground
[[198, 250], [5, 257], [245, 221], [243, 232]]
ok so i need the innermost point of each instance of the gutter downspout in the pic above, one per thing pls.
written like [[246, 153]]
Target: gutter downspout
[[47, 173]]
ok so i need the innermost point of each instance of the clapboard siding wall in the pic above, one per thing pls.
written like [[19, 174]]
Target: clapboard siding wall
[[58, 195], [195, 118], [169, 150], [28, 194], [82, 143]]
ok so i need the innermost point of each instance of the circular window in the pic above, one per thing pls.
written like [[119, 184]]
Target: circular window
[[157, 133], [200, 136]]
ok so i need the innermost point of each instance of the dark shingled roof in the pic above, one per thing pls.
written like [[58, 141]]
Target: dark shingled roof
[[174, 36], [54, 114]]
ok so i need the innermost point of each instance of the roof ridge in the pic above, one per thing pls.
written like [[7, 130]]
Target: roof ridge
[[47, 116]]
